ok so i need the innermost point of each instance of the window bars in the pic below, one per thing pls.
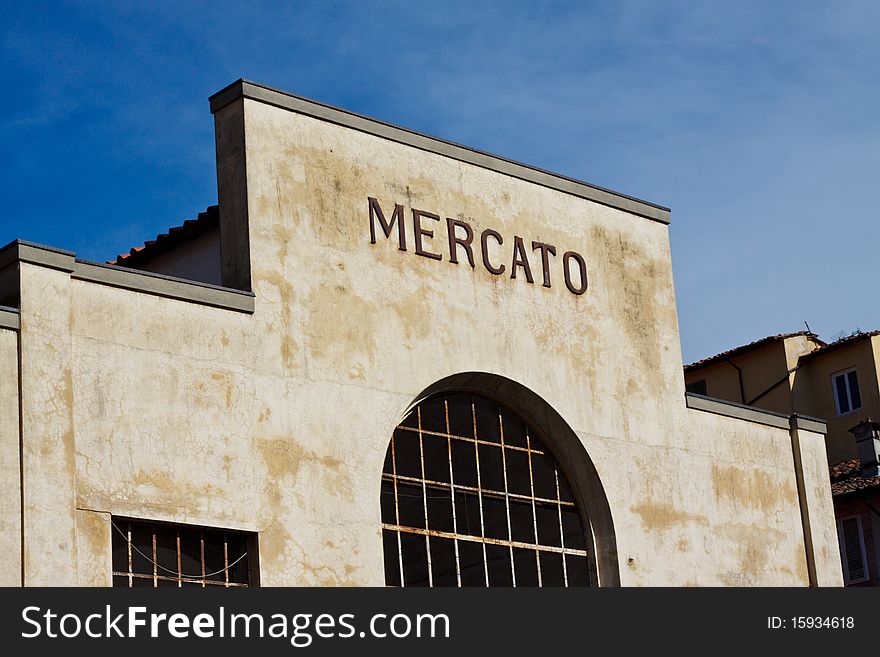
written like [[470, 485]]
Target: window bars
[[471, 497], [150, 554]]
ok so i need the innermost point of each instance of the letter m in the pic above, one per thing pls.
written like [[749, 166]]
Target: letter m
[[247, 624], [376, 213]]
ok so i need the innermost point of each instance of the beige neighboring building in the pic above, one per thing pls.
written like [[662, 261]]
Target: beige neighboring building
[[384, 358], [798, 373]]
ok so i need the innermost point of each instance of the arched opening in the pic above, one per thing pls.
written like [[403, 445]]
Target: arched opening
[[475, 493]]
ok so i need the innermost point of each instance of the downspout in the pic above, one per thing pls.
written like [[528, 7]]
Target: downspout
[[742, 387], [21, 482], [802, 499]]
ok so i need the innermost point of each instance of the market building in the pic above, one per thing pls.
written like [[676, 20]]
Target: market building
[[384, 358]]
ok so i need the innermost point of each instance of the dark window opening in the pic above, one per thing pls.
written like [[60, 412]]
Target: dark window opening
[[847, 396], [697, 387], [852, 550], [472, 497], [154, 554]]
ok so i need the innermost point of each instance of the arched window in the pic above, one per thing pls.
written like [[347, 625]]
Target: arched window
[[472, 497]]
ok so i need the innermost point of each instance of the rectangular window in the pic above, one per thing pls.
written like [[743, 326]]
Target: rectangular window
[[154, 554], [847, 397], [852, 550], [697, 387]]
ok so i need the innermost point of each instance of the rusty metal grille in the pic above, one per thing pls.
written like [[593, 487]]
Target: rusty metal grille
[[148, 554], [471, 497]]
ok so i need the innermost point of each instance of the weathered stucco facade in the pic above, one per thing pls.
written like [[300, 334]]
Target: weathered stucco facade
[[268, 405]]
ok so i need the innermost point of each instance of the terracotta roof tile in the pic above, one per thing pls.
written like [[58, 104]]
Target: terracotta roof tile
[[190, 229], [757, 344], [855, 337], [846, 477]]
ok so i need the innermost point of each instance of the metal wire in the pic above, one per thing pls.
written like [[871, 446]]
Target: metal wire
[[168, 570]]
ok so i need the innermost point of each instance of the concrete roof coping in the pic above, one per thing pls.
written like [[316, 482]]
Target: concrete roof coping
[[254, 91], [38, 254], [808, 423], [127, 278], [172, 287], [9, 318], [752, 414]]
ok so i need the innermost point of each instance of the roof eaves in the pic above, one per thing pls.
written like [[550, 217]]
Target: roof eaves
[[190, 229], [742, 349], [847, 480], [842, 342]]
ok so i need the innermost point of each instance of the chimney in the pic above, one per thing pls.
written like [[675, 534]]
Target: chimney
[[867, 435]]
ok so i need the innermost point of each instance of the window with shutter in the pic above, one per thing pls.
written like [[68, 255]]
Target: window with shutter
[[852, 550]]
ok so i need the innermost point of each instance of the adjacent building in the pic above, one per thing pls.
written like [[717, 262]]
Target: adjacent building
[[838, 382], [384, 358]]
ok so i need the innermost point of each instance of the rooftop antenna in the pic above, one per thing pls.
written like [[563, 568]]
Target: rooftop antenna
[[808, 327]]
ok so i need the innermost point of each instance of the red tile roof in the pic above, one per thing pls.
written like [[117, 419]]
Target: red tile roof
[[846, 477], [190, 229], [757, 344], [855, 337]]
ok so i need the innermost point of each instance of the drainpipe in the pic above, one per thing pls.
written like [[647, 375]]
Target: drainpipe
[[809, 553], [742, 387]]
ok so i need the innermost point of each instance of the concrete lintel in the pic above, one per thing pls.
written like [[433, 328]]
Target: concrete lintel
[[9, 318], [289, 101], [740, 411], [165, 286]]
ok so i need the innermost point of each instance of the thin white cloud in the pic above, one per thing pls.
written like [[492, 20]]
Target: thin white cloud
[[754, 121]]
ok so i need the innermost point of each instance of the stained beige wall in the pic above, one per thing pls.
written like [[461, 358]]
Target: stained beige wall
[[719, 508], [278, 422], [10, 471], [47, 429], [231, 442], [238, 448], [94, 562], [821, 525]]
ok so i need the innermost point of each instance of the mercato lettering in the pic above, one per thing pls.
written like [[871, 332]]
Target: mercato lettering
[[463, 242]]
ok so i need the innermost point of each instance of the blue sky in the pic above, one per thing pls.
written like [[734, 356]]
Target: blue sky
[[757, 123]]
